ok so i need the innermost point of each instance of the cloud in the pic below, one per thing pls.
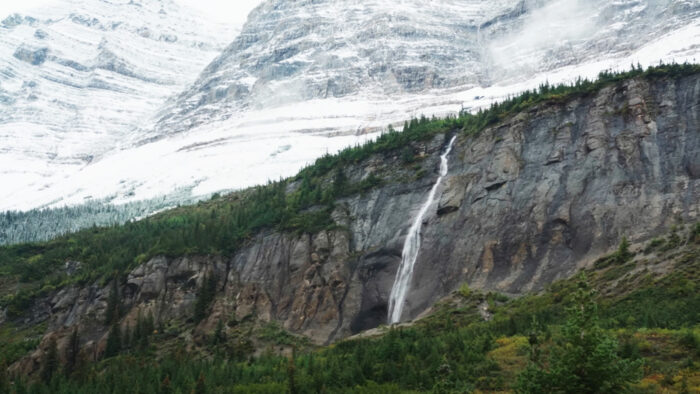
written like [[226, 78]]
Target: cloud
[[558, 25]]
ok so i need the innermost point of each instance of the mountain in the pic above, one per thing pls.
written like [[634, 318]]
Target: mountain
[[534, 190], [78, 78], [292, 52], [227, 212], [307, 78]]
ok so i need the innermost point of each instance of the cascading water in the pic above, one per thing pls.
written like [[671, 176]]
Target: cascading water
[[411, 247]]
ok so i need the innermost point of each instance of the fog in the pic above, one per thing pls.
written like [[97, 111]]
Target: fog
[[560, 25]]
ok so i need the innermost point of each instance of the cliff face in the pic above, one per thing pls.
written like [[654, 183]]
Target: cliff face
[[526, 202], [539, 196]]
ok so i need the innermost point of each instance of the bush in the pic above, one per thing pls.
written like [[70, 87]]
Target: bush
[[584, 358], [464, 290]]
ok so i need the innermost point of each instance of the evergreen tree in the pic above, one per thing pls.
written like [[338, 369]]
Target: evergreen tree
[[113, 304], [20, 386], [291, 372], [114, 341], [128, 340], [4, 379], [138, 330], [219, 333], [339, 182], [205, 296], [584, 358], [149, 325], [201, 387], [623, 251], [51, 361], [72, 352]]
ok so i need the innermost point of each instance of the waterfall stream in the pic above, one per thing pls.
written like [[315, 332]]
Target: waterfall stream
[[411, 247]]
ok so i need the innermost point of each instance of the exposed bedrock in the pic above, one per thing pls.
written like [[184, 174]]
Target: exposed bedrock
[[524, 203]]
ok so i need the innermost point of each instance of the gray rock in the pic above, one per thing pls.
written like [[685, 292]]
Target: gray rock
[[32, 56], [507, 218]]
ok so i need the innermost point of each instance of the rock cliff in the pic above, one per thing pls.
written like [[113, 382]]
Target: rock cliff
[[525, 202]]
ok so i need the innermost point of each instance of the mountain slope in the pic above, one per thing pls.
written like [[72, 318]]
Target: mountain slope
[[305, 50], [536, 188], [308, 78], [78, 78]]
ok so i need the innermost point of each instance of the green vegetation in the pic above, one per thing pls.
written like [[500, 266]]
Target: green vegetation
[[114, 308], [205, 295], [583, 358], [114, 341], [575, 337], [72, 353], [17, 341]]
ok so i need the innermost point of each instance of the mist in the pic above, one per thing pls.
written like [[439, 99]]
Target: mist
[[557, 27]]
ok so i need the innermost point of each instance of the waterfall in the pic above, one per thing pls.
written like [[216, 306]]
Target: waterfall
[[411, 247]]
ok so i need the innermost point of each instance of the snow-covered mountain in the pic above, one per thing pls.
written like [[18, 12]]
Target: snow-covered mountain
[[304, 78], [292, 52], [76, 79]]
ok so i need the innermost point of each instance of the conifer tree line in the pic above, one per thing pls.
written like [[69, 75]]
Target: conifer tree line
[[43, 224]]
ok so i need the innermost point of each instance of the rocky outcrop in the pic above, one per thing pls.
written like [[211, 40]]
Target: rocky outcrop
[[524, 203]]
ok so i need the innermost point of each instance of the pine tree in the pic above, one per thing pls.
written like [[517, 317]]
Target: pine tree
[[128, 340], [219, 333], [114, 341], [339, 182], [51, 362], [138, 330], [623, 251], [112, 313], [291, 372], [20, 386], [143, 338], [584, 359], [201, 387], [205, 296], [4, 380], [149, 325], [72, 352]]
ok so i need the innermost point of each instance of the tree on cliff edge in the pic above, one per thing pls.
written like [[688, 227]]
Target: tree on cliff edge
[[113, 311], [205, 295]]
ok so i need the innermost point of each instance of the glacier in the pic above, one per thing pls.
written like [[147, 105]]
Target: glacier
[[77, 77], [301, 79]]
